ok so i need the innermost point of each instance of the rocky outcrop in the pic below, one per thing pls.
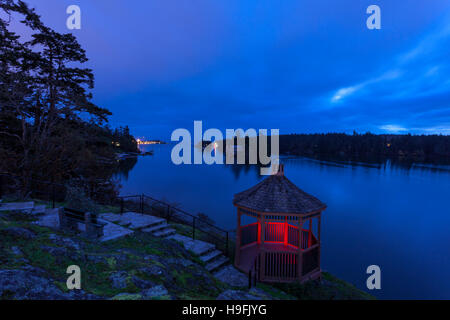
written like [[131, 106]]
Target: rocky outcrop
[[119, 279], [154, 292], [67, 242], [29, 283], [252, 294], [141, 283]]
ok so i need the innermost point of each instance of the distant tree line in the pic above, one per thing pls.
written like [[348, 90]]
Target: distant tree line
[[368, 147], [49, 127]]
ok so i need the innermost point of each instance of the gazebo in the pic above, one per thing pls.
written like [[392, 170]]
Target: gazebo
[[278, 231]]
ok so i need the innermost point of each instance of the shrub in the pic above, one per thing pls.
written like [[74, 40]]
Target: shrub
[[77, 199]]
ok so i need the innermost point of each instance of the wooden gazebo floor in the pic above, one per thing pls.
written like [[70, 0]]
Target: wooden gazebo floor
[[248, 254]]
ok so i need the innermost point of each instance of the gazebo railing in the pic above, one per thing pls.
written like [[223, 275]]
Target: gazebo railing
[[280, 265], [283, 266], [275, 233], [293, 238], [249, 234], [310, 260], [297, 258]]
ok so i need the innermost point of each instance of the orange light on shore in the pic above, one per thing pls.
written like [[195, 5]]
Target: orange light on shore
[[143, 142]]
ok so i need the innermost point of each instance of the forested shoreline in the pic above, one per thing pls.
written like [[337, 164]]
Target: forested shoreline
[[49, 127], [368, 147]]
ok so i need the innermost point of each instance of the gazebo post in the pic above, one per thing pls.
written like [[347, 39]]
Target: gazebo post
[[262, 252], [310, 233], [237, 251], [263, 229], [318, 238], [285, 239], [258, 236], [300, 253]]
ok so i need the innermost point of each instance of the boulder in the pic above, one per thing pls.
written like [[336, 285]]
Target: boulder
[[141, 283], [16, 251], [82, 295], [153, 270], [239, 295], [22, 284], [230, 275], [119, 279], [156, 291], [67, 242]]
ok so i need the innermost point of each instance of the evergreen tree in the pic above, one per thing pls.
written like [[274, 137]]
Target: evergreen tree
[[50, 129]]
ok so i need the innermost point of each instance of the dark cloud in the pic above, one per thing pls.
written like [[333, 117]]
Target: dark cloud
[[294, 65]]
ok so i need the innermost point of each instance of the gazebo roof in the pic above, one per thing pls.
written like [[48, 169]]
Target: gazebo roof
[[277, 194]]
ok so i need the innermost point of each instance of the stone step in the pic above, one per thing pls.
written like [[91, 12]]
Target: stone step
[[39, 209], [113, 231], [197, 247], [208, 257], [156, 227], [133, 220], [17, 206], [201, 248], [154, 223], [216, 264], [51, 211], [164, 233]]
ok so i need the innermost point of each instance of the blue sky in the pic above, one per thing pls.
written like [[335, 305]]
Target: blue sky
[[297, 66]]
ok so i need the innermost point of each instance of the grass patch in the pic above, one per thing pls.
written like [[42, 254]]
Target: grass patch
[[275, 292], [108, 209], [331, 288]]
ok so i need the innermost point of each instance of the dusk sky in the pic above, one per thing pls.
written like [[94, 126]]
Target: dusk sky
[[297, 66]]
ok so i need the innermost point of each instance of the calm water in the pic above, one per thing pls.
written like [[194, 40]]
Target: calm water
[[395, 217]]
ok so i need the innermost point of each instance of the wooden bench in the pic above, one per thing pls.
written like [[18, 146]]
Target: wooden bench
[[70, 218]]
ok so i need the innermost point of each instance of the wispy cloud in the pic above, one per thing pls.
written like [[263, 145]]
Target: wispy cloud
[[344, 92], [347, 92], [423, 70], [393, 128]]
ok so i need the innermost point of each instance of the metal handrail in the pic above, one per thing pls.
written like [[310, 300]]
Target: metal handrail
[[175, 208], [51, 197], [195, 225]]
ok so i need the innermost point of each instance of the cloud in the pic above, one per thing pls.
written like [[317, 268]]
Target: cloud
[[418, 72], [347, 92], [393, 128], [344, 92]]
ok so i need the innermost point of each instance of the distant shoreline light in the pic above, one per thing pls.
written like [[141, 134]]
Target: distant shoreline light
[[144, 142]]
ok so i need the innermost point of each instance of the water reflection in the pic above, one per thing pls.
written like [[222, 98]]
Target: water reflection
[[124, 167]]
